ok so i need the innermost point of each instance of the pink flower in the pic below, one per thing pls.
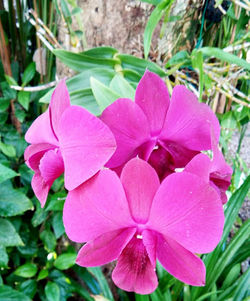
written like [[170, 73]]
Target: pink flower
[[137, 220], [216, 171], [66, 139], [167, 134]]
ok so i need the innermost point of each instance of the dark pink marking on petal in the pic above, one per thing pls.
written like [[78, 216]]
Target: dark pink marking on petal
[[134, 271]]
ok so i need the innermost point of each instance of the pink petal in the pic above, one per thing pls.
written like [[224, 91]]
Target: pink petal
[[96, 207], [188, 210], [41, 131], [130, 127], [60, 101], [134, 271], [51, 166], [86, 144], [153, 98], [40, 188], [200, 165], [104, 248], [188, 122], [140, 183], [34, 153], [180, 263]]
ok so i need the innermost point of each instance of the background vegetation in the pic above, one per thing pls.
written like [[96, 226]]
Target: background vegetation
[[36, 258]]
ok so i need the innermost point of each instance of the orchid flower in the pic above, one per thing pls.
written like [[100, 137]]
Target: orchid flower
[[216, 171], [165, 133], [137, 220], [66, 139]]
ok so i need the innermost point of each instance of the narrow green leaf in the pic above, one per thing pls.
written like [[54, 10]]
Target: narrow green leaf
[[81, 62], [180, 57], [197, 63], [101, 52], [103, 95], [65, 261], [97, 272], [243, 287], [8, 235], [141, 297], [225, 56], [231, 276], [26, 270], [28, 74], [154, 19], [23, 98], [139, 65], [122, 87], [52, 291], [9, 294], [6, 173]]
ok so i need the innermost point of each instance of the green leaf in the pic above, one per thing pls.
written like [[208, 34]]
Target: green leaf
[[103, 95], [154, 19], [56, 201], [4, 258], [80, 62], [243, 286], [139, 65], [6, 173], [23, 98], [231, 276], [122, 87], [180, 57], [26, 270], [52, 291], [57, 224], [28, 74], [10, 80], [29, 287], [97, 272], [42, 274], [8, 235], [225, 56], [65, 261], [9, 294], [101, 52], [141, 297], [7, 149], [66, 11], [13, 201], [197, 63], [48, 239]]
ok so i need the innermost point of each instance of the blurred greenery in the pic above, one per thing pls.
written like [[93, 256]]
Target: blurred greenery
[[36, 258]]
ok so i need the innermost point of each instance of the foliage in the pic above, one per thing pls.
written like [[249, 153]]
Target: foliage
[[36, 258]]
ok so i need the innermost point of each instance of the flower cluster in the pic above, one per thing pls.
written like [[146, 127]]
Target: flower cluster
[[140, 186]]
